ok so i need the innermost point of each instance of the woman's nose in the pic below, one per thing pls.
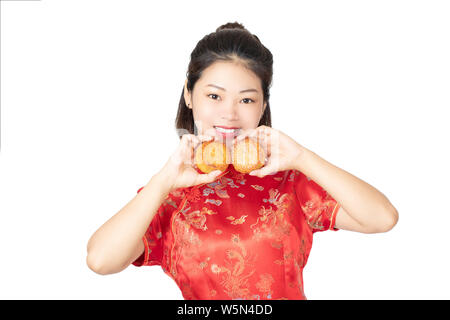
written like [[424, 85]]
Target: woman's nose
[[230, 112]]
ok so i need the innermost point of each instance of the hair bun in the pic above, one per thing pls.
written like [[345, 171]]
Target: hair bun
[[231, 25]]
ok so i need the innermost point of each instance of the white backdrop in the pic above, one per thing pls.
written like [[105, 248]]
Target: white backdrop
[[89, 94]]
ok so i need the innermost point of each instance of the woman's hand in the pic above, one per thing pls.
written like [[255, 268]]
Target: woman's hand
[[179, 171], [282, 151]]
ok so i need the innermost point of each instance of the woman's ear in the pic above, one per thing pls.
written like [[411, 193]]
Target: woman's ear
[[187, 96], [264, 109]]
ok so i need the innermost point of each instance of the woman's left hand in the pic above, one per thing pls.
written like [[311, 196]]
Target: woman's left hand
[[283, 152]]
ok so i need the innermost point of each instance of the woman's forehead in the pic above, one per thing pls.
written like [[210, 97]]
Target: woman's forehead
[[228, 76]]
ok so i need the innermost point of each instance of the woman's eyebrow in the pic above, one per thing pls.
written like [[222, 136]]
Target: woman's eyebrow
[[246, 90]]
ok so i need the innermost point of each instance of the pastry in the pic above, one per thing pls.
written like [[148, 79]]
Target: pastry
[[212, 155], [248, 155]]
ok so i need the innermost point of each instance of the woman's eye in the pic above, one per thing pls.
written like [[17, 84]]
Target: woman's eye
[[215, 97]]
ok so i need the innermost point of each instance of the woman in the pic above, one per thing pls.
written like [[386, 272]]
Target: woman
[[229, 235]]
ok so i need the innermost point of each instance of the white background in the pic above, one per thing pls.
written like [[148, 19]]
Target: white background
[[90, 91]]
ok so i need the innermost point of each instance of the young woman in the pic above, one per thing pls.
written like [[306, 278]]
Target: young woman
[[229, 235]]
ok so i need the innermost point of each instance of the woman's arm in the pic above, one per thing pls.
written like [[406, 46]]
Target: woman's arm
[[363, 208], [118, 242]]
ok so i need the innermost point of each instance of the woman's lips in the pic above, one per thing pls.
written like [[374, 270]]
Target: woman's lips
[[227, 133]]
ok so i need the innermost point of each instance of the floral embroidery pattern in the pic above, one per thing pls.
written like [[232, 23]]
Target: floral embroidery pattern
[[234, 279], [264, 284], [239, 177], [257, 187], [202, 265], [273, 196], [215, 202], [230, 182], [298, 265], [274, 225], [316, 211], [219, 187], [207, 192], [197, 218], [194, 195], [187, 240], [235, 221]]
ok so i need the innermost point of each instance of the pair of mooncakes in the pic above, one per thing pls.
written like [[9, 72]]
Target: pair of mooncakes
[[246, 155]]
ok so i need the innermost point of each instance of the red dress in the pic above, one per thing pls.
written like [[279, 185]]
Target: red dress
[[239, 237]]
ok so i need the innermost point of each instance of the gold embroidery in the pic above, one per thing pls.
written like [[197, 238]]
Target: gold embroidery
[[299, 262], [186, 290], [219, 187], [240, 178], [187, 241], [197, 218], [257, 187], [277, 245], [272, 224], [235, 221], [264, 284], [315, 211], [233, 278], [279, 262], [203, 264]]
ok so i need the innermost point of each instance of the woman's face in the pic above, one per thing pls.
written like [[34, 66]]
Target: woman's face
[[226, 95]]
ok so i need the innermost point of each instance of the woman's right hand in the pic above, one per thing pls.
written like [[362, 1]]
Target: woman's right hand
[[179, 171]]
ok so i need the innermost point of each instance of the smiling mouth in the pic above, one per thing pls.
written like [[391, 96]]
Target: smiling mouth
[[227, 133], [226, 130]]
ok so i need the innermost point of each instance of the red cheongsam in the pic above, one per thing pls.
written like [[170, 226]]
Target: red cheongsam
[[239, 237]]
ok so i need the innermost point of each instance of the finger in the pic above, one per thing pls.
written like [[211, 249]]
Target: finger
[[255, 133], [202, 138], [265, 140], [268, 169], [186, 149], [244, 133], [195, 141], [208, 177], [186, 141], [274, 141], [198, 143], [260, 137], [257, 173], [181, 151], [205, 137]]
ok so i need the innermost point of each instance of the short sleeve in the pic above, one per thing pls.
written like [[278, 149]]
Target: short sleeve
[[153, 238], [318, 206]]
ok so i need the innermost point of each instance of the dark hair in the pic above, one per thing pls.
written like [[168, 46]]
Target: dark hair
[[230, 42]]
